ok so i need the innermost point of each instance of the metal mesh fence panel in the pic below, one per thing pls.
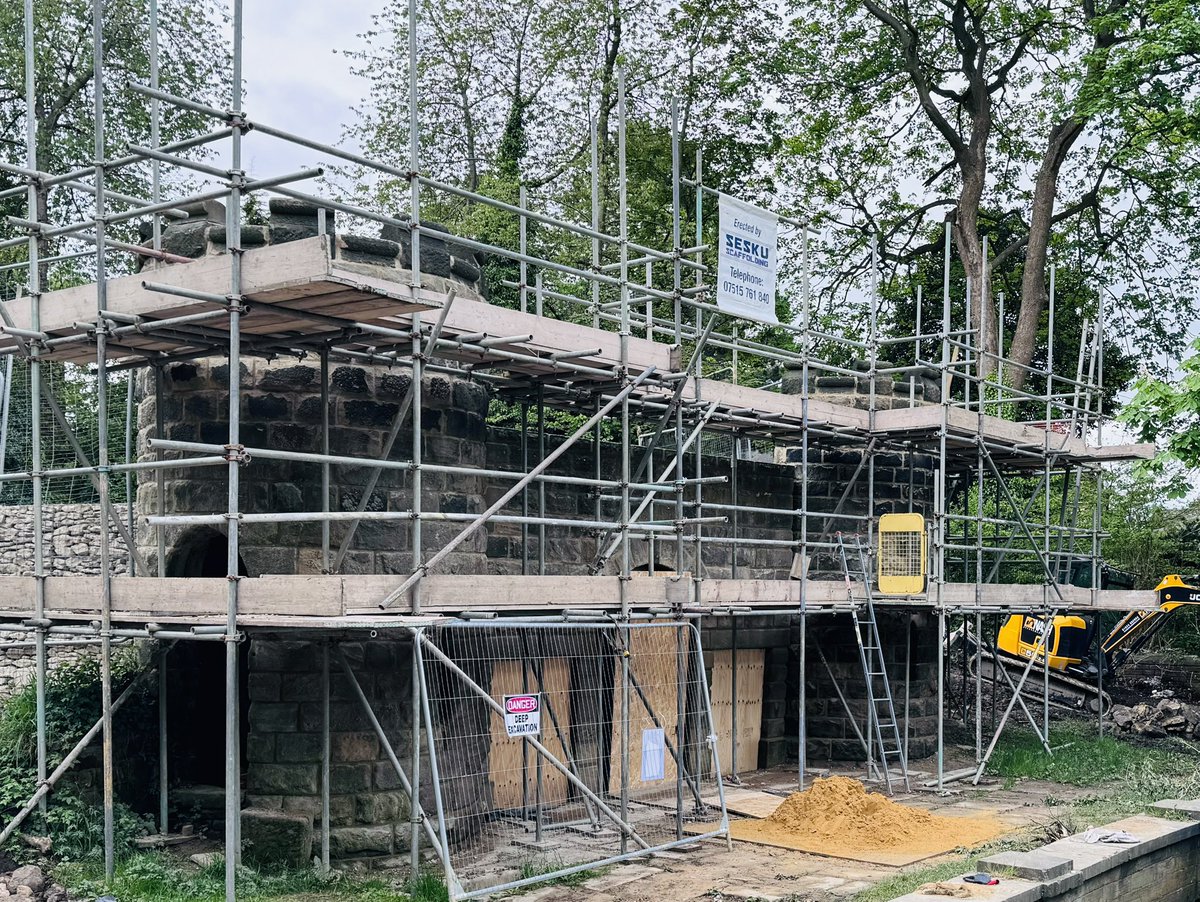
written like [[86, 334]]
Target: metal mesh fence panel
[[563, 746]]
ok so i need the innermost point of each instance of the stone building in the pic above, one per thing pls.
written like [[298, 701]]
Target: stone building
[[281, 684]]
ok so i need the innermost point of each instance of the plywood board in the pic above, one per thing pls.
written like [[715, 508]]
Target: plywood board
[[513, 762], [745, 831], [653, 656], [750, 669], [746, 802]]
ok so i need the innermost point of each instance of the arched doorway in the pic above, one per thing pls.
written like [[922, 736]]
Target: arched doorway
[[196, 692]]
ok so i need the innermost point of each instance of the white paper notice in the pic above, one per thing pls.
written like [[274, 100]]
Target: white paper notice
[[746, 265], [654, 755]]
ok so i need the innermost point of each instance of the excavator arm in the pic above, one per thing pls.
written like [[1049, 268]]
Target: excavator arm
[[1137, 627]]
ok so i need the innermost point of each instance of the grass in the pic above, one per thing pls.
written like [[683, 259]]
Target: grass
[[1126, 776], [156, 877], [907, 881], [537, 867]]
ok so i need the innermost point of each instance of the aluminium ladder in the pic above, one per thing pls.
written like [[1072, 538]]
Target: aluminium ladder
[[881, 710]]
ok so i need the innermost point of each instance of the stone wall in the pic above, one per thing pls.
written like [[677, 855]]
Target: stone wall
[[573, 552], [368, 812], [830, 726], [71, 546], [281, 409], [70, 541]]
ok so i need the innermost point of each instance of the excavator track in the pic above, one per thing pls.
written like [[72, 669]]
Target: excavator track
[[1066, 692]]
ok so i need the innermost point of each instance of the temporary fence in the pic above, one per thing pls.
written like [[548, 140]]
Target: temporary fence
[[557, 748]]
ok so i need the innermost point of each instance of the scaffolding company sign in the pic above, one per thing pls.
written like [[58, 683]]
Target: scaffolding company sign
[[748, 242], [523, 715]]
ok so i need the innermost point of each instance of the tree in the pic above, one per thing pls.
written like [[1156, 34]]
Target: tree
[[193, 62], [510, 93], [1072, 125], [1167, 412]]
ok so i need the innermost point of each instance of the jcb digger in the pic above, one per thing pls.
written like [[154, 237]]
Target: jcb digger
[[1069, 652]]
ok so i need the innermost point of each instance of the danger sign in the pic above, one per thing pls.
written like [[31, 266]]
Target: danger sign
[[523, 715]]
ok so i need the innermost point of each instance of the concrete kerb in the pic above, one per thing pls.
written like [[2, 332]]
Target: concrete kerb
[[1041, 874]]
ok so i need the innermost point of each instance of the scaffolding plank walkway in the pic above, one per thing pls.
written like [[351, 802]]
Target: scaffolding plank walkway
[[203, 600], [294, 278]]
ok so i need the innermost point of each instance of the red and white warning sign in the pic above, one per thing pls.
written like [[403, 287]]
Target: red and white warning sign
[[523, 715]]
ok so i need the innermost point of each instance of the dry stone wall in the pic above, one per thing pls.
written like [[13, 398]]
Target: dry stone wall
[[71, 545]]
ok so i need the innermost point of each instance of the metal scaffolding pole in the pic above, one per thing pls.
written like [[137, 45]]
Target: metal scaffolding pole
[[233, 243], [102, 445], [325, 758], [802, 575], [35, 387], [483, 518]]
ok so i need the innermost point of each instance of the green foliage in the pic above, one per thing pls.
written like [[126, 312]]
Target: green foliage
[[1063, 133], [194, 63], [155, 877], [1150, 533], [75, 390], [427, 888], [1126, 778], [907, 881], [1167, 412], [73, 816]]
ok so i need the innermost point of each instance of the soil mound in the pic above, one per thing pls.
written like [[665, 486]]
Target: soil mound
[[838, 816]]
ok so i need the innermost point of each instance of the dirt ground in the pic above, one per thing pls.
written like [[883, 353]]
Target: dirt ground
[[712, 872]]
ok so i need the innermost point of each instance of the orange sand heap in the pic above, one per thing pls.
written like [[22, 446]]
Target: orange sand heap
[[837, 816]]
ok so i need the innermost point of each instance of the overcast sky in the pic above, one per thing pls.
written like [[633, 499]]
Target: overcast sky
[[296, 77]]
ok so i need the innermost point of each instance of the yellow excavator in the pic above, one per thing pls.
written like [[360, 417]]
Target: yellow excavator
[[1069, 656]]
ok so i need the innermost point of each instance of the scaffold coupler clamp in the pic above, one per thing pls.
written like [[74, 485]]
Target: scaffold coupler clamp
[[237, 454]]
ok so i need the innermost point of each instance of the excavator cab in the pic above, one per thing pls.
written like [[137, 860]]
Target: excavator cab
[[1069, 650], [1069, 646]]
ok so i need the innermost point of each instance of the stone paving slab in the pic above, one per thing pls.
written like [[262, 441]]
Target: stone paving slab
[[622, 875], [1036, 865]]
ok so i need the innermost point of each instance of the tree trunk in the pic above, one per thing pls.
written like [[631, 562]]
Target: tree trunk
[[973, 167], [608, 102], [1037, 249]]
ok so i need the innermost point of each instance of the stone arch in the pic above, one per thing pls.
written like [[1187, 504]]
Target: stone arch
[[201, 551]]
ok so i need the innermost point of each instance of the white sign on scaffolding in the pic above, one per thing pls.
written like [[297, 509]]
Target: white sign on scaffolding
[[746, 255]]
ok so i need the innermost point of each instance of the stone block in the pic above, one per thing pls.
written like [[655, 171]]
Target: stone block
[[278, 559], [350, 777], [260, 748], [274, 717], [368, 414], [1027, 865], [354, 747], [276, 837], [288, 378], [348, 841], [266, 407], [307, 806], [283, 657], [381, 807], [298, 748], [295, 437], [303, 687], [285, 779], [264, 687]]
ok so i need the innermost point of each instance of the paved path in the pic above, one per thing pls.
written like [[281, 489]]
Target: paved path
[[710, 872]]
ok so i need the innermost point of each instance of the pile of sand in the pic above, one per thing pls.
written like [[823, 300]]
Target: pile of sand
[[839, 817]]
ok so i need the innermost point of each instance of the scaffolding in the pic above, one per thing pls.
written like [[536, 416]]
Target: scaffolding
[[629, 356]]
